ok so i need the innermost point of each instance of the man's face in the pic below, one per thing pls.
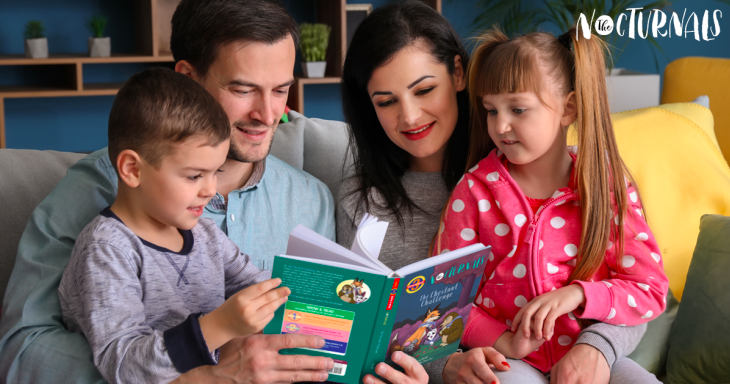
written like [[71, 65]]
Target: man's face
[[251, 80]]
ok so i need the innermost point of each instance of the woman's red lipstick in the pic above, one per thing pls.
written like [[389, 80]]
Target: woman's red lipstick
[[419, 132]]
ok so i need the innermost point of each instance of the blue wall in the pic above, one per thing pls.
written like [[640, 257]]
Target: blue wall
[[79, 123]]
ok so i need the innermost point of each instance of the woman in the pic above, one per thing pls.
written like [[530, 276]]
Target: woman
[[404, 99]]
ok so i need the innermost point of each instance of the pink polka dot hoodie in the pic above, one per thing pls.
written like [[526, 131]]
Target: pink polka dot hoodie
[[535, 253]]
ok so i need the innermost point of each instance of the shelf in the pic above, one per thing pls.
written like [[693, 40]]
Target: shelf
[[73, 58], [318, 80], [296, 92]]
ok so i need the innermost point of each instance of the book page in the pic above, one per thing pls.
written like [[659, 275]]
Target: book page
[[304, 242], [369, 237]]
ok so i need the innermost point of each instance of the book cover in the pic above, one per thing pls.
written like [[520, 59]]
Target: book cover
[[336, 303], [433, 306]]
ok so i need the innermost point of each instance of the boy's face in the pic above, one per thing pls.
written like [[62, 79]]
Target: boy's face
[[251, 80], [177, 192]]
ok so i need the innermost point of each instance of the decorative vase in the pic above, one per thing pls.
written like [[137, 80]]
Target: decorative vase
[[314, 68], [36, 48], [100, 46]]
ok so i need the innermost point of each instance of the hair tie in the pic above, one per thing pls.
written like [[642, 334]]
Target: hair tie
[[565, 39]]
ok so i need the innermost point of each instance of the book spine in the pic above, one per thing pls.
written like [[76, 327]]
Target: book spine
[[383, 326]]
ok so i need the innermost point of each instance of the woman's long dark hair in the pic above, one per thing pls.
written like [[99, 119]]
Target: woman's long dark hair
[[378, 162]]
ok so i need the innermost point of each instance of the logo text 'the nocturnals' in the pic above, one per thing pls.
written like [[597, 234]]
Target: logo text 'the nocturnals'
[[657, 24]]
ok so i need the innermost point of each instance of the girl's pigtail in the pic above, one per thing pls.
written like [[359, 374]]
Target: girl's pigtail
[[600, 172]]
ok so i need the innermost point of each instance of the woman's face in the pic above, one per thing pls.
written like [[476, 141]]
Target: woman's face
[[414, 97]]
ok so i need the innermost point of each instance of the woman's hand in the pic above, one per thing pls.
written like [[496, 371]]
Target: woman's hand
[[516, 345], [414, 371], [540, 313], [474, 366]]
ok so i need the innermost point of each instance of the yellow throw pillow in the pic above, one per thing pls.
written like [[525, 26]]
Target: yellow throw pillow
[[673, 155]]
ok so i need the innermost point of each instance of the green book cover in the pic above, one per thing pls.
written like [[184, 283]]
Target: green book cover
[[365, 311]]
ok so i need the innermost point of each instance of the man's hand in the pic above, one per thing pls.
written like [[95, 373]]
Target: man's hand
[[540, 313], [414, 371], [255, 359], [516, 345], [474, 366], [583, 364]]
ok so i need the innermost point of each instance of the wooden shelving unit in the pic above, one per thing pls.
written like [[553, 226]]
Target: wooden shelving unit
[[152, 45]]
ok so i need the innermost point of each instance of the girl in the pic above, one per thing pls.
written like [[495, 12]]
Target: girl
[[568, 237]]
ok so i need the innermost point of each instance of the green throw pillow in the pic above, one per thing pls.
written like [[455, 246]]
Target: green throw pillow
[[699, 343], [651, 353]]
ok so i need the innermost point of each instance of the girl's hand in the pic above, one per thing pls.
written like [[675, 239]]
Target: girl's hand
[[516, 345], [414, 371], [474, 366], [243, 314], [540, 313]]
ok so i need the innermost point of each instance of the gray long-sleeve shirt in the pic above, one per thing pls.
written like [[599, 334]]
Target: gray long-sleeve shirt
[[138, 303], [407, 244]]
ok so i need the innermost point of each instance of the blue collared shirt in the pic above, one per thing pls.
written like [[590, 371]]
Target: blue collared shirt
[[35, 347]]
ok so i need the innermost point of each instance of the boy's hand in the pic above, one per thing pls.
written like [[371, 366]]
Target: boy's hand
[[540, 313], [516, 345], [245, 313]]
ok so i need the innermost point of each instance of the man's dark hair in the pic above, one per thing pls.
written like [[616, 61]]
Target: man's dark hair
[[201, 27], [158, 108]]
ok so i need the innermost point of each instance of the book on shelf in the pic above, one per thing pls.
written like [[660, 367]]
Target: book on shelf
[[364, 310]]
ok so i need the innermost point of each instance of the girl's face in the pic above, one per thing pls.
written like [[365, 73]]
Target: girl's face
[[525, 129], [414, 97]]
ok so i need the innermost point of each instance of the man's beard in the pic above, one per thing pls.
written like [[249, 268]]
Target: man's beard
[[235, 153]]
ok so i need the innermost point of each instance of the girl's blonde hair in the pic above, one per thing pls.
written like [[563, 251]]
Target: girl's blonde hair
[[527, 63]]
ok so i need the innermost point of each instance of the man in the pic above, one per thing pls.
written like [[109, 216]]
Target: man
[[243, 53]]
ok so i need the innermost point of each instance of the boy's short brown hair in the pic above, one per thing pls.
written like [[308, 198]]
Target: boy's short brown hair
[[158, 108]]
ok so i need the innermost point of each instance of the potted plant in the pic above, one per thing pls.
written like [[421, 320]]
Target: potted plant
[[313, 44], [36, 44], [99, 46]]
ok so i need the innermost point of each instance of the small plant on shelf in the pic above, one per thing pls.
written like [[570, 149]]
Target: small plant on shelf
[[99, 46], [313, 44], [34, 30], [36, 44], [97, 25]]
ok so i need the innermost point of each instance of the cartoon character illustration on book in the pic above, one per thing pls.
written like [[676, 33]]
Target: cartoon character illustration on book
[[431, 337], [359, 296], [394, 346], [346, 294], [353, 291], [451, 329], [414, 341]]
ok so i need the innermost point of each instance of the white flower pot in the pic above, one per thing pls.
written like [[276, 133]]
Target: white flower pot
[[36, 48], [100, 46], [314, 68]]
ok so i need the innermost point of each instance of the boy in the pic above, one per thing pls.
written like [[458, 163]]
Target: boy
[[144, 270]]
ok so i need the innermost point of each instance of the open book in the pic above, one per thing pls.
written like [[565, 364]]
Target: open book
[[364, 310]]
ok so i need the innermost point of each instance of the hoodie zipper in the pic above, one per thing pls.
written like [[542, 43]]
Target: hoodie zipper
[[531, 235]]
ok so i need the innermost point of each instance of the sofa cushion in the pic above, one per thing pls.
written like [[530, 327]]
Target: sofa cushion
[[288, 142], [27, 177], [681, 176], [699, 343]]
